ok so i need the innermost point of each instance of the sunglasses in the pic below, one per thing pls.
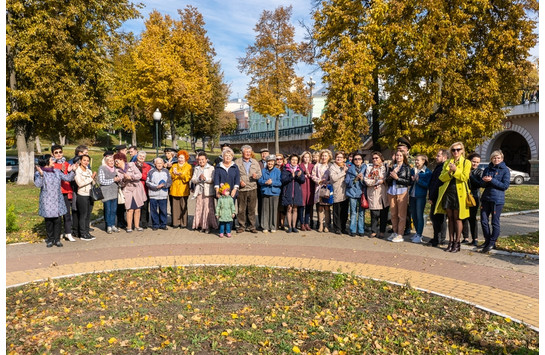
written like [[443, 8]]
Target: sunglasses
[[357, 159], [456, 149], [57, 152]]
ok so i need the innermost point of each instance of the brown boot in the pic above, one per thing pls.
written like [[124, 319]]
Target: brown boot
[[320, 221], [455, 247], [450, 246]]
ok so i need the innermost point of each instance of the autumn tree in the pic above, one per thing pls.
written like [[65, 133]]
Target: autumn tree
[[270, 62], [173, 70], [57, 68], [446, 69]]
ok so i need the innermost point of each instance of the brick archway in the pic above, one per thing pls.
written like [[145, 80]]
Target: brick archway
[[488, 145]]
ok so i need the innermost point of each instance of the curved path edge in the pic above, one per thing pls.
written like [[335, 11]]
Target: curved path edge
[[517, 307]]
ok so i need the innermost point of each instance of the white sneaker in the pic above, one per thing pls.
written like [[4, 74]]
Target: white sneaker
[[69, 237], [273, 230], [109, 230], [392, 236], [265, 231], [417, 239], [115, 229], [398, 239]]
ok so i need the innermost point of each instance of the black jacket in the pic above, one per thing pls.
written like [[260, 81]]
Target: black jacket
[[435, 183], [475, 177], [403, 175]]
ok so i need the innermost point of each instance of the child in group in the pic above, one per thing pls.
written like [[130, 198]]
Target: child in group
[[225, 210], [158, 181]]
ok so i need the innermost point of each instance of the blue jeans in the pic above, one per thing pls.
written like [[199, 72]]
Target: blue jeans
[[490, 208], [417, 205], [225, 227], [158, 218], [357, 214], [110, 211], [304, 213]]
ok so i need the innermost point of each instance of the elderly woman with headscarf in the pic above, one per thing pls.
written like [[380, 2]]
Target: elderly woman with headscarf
[[132, 189], [179, 190]]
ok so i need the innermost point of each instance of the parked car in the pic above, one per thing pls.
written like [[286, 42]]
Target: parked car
[[517, 177], [12, 168]]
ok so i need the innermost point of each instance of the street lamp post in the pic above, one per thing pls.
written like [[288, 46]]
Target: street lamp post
[[311, 84], [268, 122], [157, 119]]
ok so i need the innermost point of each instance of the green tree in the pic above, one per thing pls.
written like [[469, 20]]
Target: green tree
[[270, 62], [446, 69], [57, 68]]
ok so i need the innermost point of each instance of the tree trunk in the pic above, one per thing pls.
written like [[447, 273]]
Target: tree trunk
[[133, 126], [375, 124], [192, 130], [38, 145], [25, 148], [172, 129], [62, 139], [203, 143], [120, 138], [276, 135]]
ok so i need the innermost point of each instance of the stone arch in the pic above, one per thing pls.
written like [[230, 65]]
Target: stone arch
[[488, 146]]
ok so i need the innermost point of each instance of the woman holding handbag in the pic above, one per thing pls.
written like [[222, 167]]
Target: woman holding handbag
[[84, 179], [337, 174], [377, 197], [453, 194], [320, 175], [355, 191], [133, 191]]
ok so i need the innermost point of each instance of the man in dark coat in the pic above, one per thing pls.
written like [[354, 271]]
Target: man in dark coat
[[437, 219]]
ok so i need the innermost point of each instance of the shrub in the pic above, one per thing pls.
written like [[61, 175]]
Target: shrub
[[11, 219], [103, 139]]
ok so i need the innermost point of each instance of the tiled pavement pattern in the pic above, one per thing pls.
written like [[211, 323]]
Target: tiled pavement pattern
[[503, 284]]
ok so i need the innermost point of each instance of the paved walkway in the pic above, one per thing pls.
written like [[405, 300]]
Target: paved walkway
[[504, 284]]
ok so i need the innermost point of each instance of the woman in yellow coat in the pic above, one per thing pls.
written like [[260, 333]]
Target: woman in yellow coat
[[181, 173], [453, 194]]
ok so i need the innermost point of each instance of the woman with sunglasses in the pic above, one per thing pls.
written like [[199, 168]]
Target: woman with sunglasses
[[377, 195], [453, 194]]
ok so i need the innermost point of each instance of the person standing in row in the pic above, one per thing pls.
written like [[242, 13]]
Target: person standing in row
[[270, 184], [262, 165], [225, 210], [203, 180], [84, 179], [321, 177], [180, 173], [420, 176], [79, 151], [470, 224], [337, 174], [355, 187], [66, 189], [144, 168], [496, 178], [453, 194], [158, 183], [292, 196], [377, 195], [399, 180], [247, 197], [308, 187], [108, 179], [438, 219], [132, 189], [52, 204]]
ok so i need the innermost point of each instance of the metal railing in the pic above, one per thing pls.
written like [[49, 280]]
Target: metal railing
[[290, 133]]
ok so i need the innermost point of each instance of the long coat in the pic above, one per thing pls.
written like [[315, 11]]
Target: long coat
[[291, 190], [320, 172], [51, 200], [375, 179], [337, 175], [463, 167], [309, 186], [132, 187]]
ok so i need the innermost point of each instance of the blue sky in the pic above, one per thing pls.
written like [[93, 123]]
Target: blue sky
[[230, 26]]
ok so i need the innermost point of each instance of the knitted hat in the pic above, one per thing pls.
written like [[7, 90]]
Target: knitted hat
[[224, 187]]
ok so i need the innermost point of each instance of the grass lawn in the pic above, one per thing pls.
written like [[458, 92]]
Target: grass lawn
[[243, 310], [527, 243]]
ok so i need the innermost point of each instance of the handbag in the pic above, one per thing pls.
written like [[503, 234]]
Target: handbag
[[324, 192], [470, 200], [363, 201], [120, 196], [96, 192]]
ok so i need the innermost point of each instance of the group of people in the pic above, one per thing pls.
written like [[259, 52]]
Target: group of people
[[284, 190]]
